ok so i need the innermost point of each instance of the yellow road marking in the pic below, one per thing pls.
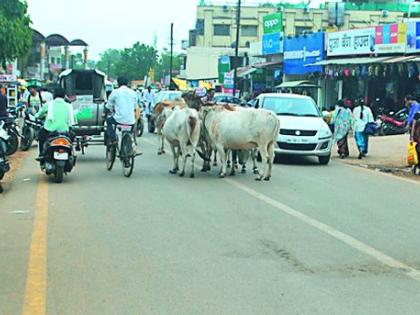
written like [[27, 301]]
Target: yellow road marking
[[36, 281]]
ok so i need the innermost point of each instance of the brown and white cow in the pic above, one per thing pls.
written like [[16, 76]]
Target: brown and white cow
[[161, 112], [229, 128], [182, 131]]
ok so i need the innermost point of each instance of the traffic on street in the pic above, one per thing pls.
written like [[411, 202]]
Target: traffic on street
[[261, 166]]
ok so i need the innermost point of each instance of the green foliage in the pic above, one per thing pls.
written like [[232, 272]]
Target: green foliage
[[163, 66], [109, 61], [15, 31]]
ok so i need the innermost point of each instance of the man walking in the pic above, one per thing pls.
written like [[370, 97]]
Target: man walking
[[414, 108]]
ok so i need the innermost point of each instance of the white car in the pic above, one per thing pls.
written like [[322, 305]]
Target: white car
[[303, 131], [167, 96]]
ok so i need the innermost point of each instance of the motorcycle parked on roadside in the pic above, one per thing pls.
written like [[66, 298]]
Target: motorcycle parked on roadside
[[59, 157], [4, 163], [394, 123], [30, 130], [10, 126]]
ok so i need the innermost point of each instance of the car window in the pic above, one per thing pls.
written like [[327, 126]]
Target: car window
[[291, 106]]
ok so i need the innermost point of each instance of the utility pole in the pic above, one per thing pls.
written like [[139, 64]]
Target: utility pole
[[171, 63], [238, 29]]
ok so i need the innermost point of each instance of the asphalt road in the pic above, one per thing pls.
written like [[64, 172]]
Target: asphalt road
[[315, 240]]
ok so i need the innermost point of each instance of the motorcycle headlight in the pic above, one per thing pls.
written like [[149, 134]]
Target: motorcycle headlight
[[325, 133]]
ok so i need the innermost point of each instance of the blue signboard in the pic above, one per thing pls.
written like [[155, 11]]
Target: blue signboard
[[272, 44], [302, 51]]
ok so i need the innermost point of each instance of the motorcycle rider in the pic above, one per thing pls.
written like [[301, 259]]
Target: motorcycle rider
[[414, 108], [123, 102], [3, 104], [59, 117], [34, 101]]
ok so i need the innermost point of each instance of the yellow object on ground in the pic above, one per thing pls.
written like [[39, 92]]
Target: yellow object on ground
[[412, 156]]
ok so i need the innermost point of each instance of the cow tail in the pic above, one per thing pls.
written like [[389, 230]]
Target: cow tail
[[191, 125]]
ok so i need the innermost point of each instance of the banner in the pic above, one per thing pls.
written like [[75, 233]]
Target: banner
[[299, 52], [413, 37], [390, 38], [272, 44], [273, 23], [351, 42]]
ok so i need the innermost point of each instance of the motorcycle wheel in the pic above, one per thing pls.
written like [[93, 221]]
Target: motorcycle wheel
[[140, 128], [26, 142], [59, 174], [151, 126], [12, 144]]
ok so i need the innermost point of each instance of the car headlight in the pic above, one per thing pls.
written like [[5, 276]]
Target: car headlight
[[325, 133]]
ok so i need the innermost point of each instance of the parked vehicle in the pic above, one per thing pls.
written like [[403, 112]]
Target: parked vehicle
[[161, 97], [59, 157], [303, 130], [30, 130], [86, 90], [4, 163], [394, 123], [227, 98], [11, 128]]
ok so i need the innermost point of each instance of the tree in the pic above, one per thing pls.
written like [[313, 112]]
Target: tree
[[15, 31], [109, 59], [163, 66], [136, 61]]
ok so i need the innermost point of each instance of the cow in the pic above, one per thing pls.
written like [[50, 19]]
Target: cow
[[182, 130], [228, 128], [161, 112]]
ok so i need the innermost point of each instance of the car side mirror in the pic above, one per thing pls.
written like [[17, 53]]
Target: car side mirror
[[257, 104]]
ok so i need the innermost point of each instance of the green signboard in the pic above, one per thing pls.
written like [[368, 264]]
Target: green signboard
[[273, 23]]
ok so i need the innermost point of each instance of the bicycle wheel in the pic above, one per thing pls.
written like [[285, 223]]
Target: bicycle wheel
[[111, 152], [127, 155]]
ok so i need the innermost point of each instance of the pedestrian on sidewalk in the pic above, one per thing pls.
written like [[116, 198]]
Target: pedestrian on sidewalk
[[414, 108], [415, 136], [362, 115], [342, 120]]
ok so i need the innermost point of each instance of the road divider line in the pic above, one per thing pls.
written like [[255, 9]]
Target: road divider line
[[36, 279], [340, 236]]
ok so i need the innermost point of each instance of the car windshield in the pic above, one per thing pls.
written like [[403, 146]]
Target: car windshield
[[168, 96], [290, 106]]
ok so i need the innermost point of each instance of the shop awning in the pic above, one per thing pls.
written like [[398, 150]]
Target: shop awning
[[350, 61], [181, 84], [297, 84], [243, 72], [400, 59], [263, 65]]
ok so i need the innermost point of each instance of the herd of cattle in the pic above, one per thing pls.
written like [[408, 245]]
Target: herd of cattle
[[216, 129]]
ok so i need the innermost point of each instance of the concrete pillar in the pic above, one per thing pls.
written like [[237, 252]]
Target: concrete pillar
[[42, 60], [85, 56], [67, 56]]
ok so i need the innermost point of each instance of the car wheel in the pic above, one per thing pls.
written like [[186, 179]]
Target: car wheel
[[324, 160]]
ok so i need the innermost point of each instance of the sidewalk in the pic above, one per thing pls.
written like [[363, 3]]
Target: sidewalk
[[15, 164], [386, 154]]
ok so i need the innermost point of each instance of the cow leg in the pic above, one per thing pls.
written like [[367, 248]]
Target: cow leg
[[270, 161], [192, 175], [175, 157], [163, 144], [160, 137], [223, 160], [265, 160], [215, 158], [184, 156], [254, 161], [234, 162]]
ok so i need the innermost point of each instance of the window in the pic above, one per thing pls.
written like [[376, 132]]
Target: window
[[291, 106], [200, 27], [221, 30], [300, 29], [249, 30]]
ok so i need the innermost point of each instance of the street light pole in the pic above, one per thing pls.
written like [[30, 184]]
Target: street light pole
[[238, 29], [171, 63]]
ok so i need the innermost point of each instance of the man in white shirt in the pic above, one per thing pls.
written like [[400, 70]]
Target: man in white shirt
[[122, 102], [34, 101], [149, 100]]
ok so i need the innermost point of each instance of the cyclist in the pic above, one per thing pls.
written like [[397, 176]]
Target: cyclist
[[122, 102]]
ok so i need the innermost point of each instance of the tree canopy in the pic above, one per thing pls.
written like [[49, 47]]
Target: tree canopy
[[15, 31]]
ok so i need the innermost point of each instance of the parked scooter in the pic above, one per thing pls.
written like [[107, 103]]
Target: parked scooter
[[59, 157], [11, 128], [394, 123], [30, 130], [4, 163]]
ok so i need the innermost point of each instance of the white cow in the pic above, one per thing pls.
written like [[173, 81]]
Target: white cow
[[182, 130], [228, 128]]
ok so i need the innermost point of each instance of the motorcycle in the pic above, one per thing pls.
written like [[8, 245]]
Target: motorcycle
[[59, 157], [140, 123], [4, 163], [394, 123], [30, 130], [10, 126]]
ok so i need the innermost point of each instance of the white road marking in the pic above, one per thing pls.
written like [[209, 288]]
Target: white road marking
[[322, 227]]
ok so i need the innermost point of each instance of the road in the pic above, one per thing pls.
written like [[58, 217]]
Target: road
[[315, 240]]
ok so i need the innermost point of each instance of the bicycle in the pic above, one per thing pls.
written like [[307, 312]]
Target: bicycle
[[124, 148]]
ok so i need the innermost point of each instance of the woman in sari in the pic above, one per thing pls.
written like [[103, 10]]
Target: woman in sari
[[415, 136], [342, 121], [362, 115]]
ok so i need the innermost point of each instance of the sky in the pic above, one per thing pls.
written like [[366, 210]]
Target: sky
[[117, 24]]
